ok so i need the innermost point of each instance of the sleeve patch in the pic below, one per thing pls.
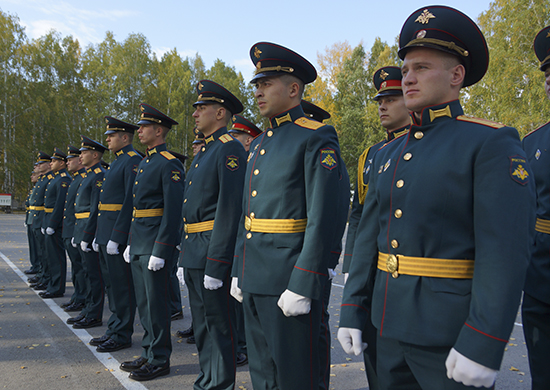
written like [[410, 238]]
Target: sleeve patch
[[518, 171], [232, 163], [99, 183], [64, 184], [167, 155], [175, 175], [328, 158], [134, 168]]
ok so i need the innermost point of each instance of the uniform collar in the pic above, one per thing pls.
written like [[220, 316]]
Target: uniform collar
[[286, 116], [125, 149], [397, 132], [439, 113], [156, 149], [210, 140]]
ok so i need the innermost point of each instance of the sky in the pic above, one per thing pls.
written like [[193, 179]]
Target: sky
[[226, 30]]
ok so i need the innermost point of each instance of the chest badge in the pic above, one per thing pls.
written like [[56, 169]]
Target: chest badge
[[537, 154]]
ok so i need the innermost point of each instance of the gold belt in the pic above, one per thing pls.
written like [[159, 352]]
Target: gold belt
[[48, 210], [198, 227], [82, 215], [109, 207], [275, 225], [425, 266], [148, 213], [37, 208], [543, 226]]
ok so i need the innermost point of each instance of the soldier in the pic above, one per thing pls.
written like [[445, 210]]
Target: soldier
[[54, 204], [290, 203], [395, 119], [78, 172], [113, 227], [198, 143], [154, 235], [444, 238], [244, 130], [211, 213], [536, 297], [35, 265], [86, 210]]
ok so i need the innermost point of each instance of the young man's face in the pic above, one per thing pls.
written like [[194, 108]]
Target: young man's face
[[57, 165], [73, 164], [243, 138], [115, 141], [147, 134], [197, 148], [392, 112], [87, 158], [426, 79], [272, 96], [205, 116], [547, 81]]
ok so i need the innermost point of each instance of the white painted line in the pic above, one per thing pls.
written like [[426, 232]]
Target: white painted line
[[105, 358]]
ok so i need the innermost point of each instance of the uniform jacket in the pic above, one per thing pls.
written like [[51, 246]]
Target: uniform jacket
[[452, 188], [343, 211], [87, 199], [292, 173], [69, 219], [213, 191], [55, 195], [41, 185], [537, 148], [117, 189], [31, 201], [158, 185]]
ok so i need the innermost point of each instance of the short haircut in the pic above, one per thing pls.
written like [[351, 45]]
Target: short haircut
[[289, 79]]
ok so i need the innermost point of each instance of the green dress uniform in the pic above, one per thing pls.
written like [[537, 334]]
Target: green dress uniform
[[536, 297], [29, 214], [211, 213], [113, 224]]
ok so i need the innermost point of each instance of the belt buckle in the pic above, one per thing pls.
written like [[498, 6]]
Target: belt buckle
[[248, 223], [392, 265], [185, 228]]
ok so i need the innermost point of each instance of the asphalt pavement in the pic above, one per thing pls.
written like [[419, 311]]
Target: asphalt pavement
[[38, 350]]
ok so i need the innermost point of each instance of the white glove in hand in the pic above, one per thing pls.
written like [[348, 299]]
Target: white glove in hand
[[293, 304], [155, 263], [84, 246], [468, 372], [180, 276], [346, 276], [331, 274], [211, 283], [50, 231], [112, 248], [95, 246], [178, 247], [25, 224], [126, 254], [351, 341], [42, 230], [73, 243], [235, 291]]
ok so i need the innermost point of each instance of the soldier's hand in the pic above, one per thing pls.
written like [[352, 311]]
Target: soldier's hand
[[42, 230], [331, 273], [235, 291], [351, 341], [346, 276], [293, 304], [155, 263], [95, 246], [180, 276], [126, 254], [468, 372], [73, 243], [84, 246], [50, 231], [211, 283], [112, 248]]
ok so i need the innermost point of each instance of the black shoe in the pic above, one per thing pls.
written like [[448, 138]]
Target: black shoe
[[87, 323], [49, 295], [111, 346], [40, 287], [191, 340], [33, 285], [177, 316], [34, 279], [96, 341], [133, 365], [242, 359], [148, 372], [66, 304], [185, 333], [30, 271], [74, 307], [73, 320]]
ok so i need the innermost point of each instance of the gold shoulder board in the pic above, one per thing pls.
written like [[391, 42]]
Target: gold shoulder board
[[167, 155], [225, 138], [63, 174], [308, 123], [484, 122], [132, 153], [97, 170]]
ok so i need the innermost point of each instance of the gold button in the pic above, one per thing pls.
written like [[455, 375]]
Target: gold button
[[270, 133], [398, 213], [134, 195], [98, 214], [418, 135], [249, 235], [254, 193], [196, 165], [186, 236], [407, 156], [252, 215], [400, 183], [147, 160], [190, 181], [394, 244], [136, 182], [141, 170], [203, 149], [185, 201], [256, 172], [262, 152], [184, 220]]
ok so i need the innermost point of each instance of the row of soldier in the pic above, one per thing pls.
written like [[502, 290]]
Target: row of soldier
[[440, 234]]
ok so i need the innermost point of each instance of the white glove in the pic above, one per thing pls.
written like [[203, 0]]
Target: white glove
[[112, 248], [84, 246], [180, 276], [178, 247], [346, 276], [211, 283], [73, 243], [95, 246], [126, 254], [50, 231], [42, 230], [351, 341], [331, 274], [293, 304], [468, 372], [235, 291], [25, 224], [155, 263]]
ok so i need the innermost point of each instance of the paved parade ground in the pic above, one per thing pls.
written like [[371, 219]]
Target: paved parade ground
[[38, 350]]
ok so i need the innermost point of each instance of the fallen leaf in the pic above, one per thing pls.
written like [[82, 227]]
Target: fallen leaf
[[513, 368]]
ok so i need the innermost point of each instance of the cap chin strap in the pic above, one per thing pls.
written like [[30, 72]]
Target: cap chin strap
[[439, 42]]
